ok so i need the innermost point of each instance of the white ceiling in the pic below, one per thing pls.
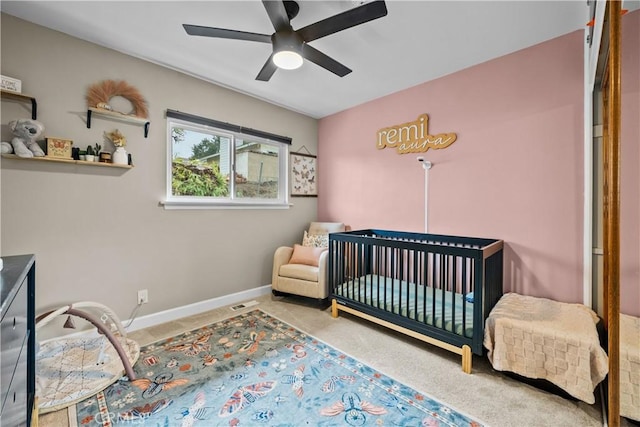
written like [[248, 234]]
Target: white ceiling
[[416, 42]]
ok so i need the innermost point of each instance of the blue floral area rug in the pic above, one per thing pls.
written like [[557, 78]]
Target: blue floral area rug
[[253, 370]]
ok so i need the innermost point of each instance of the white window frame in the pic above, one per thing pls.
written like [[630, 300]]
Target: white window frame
[[230, 202]]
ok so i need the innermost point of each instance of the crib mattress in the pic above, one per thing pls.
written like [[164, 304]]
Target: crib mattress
[[630, 367], [545, 339], [452, 313]]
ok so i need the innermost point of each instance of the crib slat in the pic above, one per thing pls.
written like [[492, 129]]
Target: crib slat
[[416, 263], [425, 272], [454, 277], [443, 269], [359, 261], [433, 289], [384, 273], [464, 297]]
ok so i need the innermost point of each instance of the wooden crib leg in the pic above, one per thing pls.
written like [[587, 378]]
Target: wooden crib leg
[[466, 359], [34, 412], [334, 308]]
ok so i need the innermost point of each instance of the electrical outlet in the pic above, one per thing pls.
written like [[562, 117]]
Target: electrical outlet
[[143, 296]]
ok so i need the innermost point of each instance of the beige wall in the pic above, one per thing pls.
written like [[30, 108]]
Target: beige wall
[[99, 233]]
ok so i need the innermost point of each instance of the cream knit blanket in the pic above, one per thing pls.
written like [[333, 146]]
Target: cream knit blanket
[[541, 338], [630, 366]]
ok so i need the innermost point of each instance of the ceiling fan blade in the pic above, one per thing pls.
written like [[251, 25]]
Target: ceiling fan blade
[[196, 30], [267, 70], [326, 62], [277, 14], [356, 16]]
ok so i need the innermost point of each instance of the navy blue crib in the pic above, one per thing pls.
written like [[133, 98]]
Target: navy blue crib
[[439, 289]]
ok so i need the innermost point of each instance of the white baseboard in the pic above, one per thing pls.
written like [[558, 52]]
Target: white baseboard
[[176, 313], [195, 308]]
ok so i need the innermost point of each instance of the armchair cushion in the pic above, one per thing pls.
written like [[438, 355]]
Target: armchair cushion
[[306, 255], [300, 272]]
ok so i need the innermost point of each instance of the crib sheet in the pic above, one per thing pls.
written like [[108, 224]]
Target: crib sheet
[[400, 297], [545, 339]]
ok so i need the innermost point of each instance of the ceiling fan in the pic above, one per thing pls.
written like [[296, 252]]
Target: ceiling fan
[[289, 45]]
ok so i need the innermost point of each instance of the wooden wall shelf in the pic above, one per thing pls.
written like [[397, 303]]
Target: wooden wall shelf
[[119, 117], [21, 97], [68, 161]]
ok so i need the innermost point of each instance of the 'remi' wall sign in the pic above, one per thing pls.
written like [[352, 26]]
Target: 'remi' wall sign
[[413, 137]]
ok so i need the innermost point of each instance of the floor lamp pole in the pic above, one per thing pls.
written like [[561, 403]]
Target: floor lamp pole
[[426, 165]]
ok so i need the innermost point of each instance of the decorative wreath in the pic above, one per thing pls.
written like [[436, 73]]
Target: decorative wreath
[[99, 94]]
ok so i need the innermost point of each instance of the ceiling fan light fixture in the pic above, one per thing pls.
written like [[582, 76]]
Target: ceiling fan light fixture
[[287, 59], [287, 49]]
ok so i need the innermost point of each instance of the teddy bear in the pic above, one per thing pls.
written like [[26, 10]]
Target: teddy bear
[[25, 132]]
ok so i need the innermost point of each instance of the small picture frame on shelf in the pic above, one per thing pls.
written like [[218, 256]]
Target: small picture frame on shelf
[[11, 84], [59, 148]]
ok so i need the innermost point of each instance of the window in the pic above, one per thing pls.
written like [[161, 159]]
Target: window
[[213, 163]]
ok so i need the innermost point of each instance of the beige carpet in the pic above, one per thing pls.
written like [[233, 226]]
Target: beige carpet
[[485, 394]]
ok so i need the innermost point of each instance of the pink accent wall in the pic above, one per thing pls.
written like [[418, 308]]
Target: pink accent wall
[[514, 173], [630, 173]]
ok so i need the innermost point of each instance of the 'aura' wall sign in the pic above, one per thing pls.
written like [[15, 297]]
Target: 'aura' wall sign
[[413, 137]]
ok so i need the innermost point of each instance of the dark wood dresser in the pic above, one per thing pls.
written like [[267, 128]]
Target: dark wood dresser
[[17, 341]]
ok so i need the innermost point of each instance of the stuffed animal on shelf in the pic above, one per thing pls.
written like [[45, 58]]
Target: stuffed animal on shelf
[[25, 132]]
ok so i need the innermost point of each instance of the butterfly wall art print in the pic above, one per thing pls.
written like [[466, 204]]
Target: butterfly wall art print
[[304, 175]]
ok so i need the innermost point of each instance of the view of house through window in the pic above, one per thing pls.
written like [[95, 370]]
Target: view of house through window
[[224, 166]]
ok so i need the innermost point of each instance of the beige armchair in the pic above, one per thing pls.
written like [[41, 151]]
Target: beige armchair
[[302, 277]]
